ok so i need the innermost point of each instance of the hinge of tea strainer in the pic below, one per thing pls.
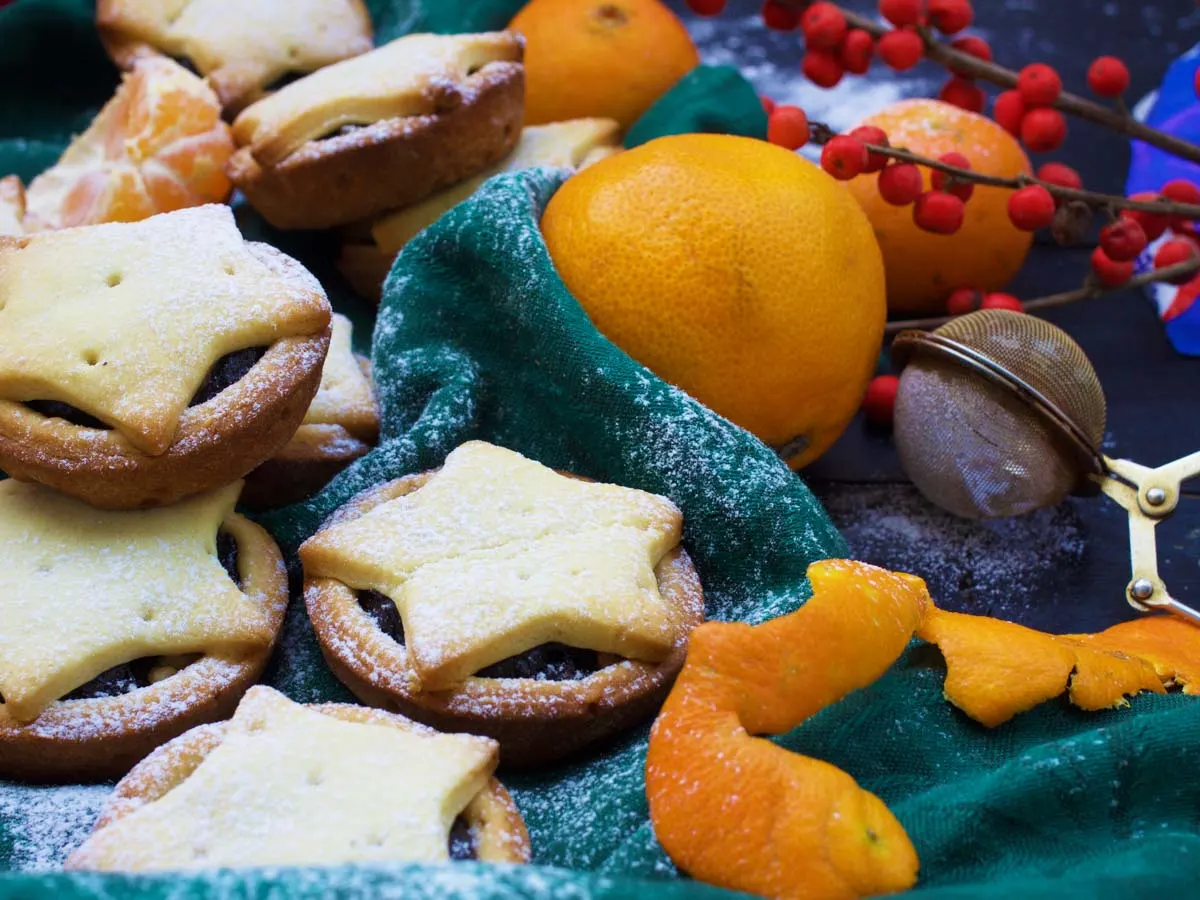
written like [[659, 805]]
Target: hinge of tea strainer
[[1148, 496]]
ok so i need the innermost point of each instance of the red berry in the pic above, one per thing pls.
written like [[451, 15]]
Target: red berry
[[998, 300], [788, 127], [938, 212], [951, 16], [961, 190], [900, 184], [1109, 272], [1152, 223], [1181, 191], [768, 104], [1175, 251], [822, 68], [872, 134], [1122, 240], [706, 7], [901, 13], [1043, 130], [824, 26], [963, 301], [972, 46], [844, 157], [1009, 111], [856, 51], [1031, 208], [780, 17], [1059, 174], [963, 93], [1039, 85], [879, 404], [1107, 76], [901, 49], [1196, 83]]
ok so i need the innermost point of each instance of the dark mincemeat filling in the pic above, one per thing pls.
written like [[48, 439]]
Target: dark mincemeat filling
[[227, 371], [548, 662], [462, 840], [131, 676]]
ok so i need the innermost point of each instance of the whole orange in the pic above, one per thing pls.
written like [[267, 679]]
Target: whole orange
[[923, 268], [607, 58], [734, 269]]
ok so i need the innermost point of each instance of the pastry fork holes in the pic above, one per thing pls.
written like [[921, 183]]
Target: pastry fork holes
[[91, 357], [149, 613], [113, 279]]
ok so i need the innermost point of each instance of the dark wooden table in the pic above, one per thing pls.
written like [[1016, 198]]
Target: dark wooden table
[[1063, 569]]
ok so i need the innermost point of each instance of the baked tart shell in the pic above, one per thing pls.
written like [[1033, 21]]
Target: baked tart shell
[[534, 721], [217, 442], [102, 738], [497, 827], [387, 165]]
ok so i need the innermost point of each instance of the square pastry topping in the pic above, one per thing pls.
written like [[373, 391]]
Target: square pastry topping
[[284, 784], [83, 591]]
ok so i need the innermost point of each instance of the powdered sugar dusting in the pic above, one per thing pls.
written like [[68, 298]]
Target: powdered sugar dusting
[[43, 825]]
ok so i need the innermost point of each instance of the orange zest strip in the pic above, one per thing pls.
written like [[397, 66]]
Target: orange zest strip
[[1170, 645], [738, 811]]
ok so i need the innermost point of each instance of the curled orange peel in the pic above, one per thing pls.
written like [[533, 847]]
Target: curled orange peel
[[738, 811]]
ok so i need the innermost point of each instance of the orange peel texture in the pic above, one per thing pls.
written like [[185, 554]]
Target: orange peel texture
[[1170, 645], [738, 811], [158, 145]]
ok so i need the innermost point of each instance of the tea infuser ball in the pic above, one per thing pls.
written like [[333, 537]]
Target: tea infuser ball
[[1000, 413]]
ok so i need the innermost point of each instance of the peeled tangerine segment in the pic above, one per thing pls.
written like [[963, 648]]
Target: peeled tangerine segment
[[738, 811], [158, 145], [996, 669]]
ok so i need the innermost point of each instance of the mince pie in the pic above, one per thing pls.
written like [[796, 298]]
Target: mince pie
[[341, 425], [143, 362], [242, 47], [382, 130], [121, 630], [282, 784], [366, 257], [498, 597]]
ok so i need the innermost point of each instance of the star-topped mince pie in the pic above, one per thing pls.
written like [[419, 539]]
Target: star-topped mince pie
[[499, 597], [123, 629], [143, 362], [341, 425], [382, 130], [283, 784], [242, 47]]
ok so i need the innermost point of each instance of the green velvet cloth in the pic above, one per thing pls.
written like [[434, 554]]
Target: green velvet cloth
[[478, 338]]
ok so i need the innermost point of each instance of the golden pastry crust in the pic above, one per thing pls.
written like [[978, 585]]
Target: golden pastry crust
[[241, 48], [217, 442], [99, 738], [534, 721], [499, 831], [314, 455], [452, 122], [12, 206]]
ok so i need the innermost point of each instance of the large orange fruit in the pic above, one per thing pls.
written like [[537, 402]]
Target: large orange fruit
[[923, 268], [734, 269], [158, 145], [605, 58]]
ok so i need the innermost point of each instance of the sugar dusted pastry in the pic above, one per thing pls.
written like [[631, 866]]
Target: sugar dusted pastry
[[382, 130], [366, 258], [242, 47], [341, 424], [12, 206], [498, 597], [283, 784], [123, 629], [144, 362]]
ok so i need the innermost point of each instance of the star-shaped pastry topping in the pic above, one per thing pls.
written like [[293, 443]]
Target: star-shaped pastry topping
[[416, 75], [345, 396], [289, 785], [124, 321], [83, 590], [498, 554], [243, 46]]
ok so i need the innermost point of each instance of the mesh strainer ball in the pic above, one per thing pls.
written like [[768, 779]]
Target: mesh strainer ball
[[997, 414]]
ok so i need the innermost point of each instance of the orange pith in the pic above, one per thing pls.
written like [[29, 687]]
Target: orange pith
[[607, 58], [158, 145], [922, 268]]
